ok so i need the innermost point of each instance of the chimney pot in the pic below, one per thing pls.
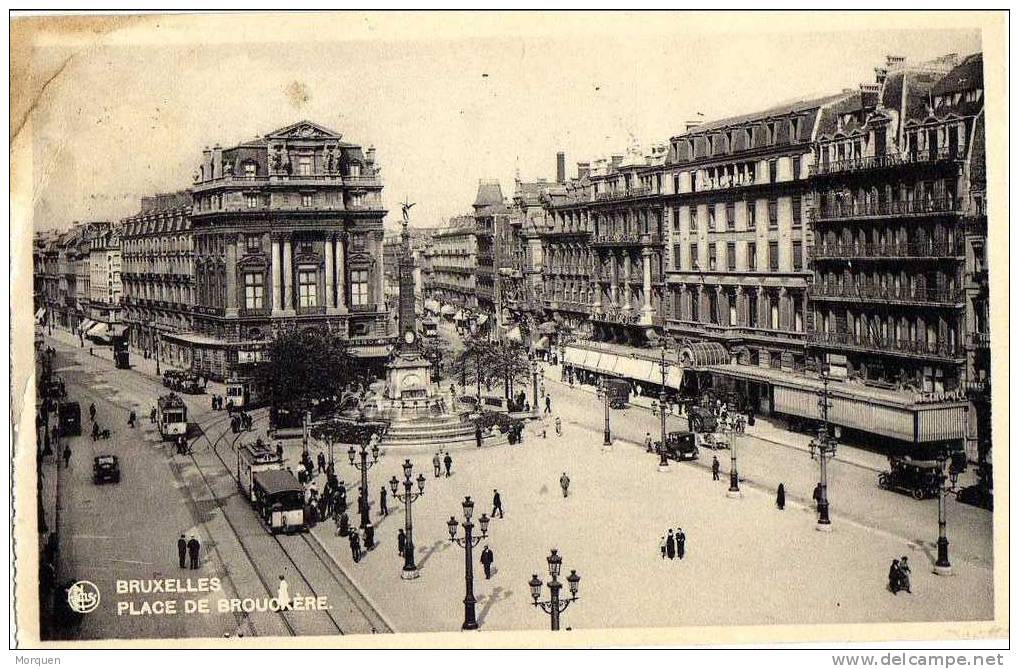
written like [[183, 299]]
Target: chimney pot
[[560, 172]]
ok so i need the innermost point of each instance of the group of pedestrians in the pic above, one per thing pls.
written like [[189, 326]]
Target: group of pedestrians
[[189, 552], [218, 403], [444, 461], [898, 576], [674, 545], [241, 422]]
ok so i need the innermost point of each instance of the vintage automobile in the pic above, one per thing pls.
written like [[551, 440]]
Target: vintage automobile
[[619, 393], [919, 478], [681, 445], [701, 418], [105, 469], [69, 419]]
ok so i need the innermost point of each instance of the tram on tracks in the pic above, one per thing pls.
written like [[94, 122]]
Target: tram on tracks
[[172, 416], [274, 493], [243, 393]]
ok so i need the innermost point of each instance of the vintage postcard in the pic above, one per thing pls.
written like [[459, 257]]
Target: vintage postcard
[[509, 329]]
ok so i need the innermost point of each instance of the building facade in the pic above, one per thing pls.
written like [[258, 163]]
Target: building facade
[[287, 234], [158, 276], [451, 278]]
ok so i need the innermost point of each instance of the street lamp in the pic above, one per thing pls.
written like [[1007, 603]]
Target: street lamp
[[942, 567], [663, 463], [159, 338], [554, 605], [410, 570], [468, 543], [825, 446], [727, 428], [363, 467], [605, 396]]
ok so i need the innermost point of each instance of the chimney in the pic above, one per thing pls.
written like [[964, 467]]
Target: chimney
[[617, 160], [583, 170], [894, 62], [692, 125], [880, 74], [560, 168], [217, 161], [206, 164]]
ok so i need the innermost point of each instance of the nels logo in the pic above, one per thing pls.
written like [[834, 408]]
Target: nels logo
[[83, 597]]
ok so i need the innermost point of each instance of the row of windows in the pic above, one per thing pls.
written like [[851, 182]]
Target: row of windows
[[730, 257], [307, 289], [727, 222]]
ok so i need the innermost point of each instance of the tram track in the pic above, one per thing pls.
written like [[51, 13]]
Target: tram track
[[305, 555]]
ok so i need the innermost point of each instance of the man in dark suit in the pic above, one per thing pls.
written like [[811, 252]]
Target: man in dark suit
[[194, 548], [182, 551]]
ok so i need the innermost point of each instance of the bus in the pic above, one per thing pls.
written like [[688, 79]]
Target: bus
[[278, 500], [252, 458], [172, 416]]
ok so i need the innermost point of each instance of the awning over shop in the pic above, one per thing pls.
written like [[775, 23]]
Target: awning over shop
[[607, 363], [86, 324], [372, 351], [700, 354], [673, 377], [100, 332], [447, 310], [514, 335], [548, 327], [39, 315], [433, 306], [542, 344], [573, 356], [634, 368]]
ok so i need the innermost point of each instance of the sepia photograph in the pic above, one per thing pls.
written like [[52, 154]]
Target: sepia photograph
[[508, 329]]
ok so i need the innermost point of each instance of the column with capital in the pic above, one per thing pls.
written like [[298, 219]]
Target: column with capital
[[288, 277], [741, 318], [613, 279], [626, 281], [330, 254], [646, 257], [275, 276], [341, 273], [784, 312], [231, 274], [380, 286]]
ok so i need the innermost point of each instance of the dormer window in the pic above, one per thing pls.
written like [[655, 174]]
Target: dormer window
[[250, 170], [773, 132], [794, 128]]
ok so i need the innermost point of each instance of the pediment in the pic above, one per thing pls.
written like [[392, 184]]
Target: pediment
[[304, 130]]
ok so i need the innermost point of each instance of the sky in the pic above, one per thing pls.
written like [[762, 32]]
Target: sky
[[132, 109]]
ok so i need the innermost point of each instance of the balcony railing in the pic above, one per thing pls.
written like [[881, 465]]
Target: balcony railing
[[852, 293], [892, 251], [626, 239], [871, 343], [624, 194], [979, 339], [353, 308], [616, 315], [867, 163], [896, 208]]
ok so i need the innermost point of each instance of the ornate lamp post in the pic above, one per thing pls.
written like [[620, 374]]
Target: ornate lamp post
[[554, 606], [942, 567], [825, 446], [363, 467], [663, 463], [727, 428], [604, 395], [159, 340], [410, 569], [468, 543]]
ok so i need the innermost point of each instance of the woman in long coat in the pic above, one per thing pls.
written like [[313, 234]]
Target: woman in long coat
[[670, 546], [780, 498]]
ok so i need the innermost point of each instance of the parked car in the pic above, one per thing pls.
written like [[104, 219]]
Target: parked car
[[681, 445], [919, 478], [105, 469], [69, 419]]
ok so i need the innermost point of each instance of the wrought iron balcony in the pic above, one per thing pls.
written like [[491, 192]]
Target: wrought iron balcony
[[978, 339], [893, 209], [853, 293], [890, 160], [617, 315], [891, 251], [624, 194], [626, 239], [887, 345]]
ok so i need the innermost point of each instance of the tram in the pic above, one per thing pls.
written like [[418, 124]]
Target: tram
[[172, 416], [252, 458], [278, 500], [242, 393]]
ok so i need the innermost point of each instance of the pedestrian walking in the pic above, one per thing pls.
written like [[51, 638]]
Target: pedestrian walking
[[437, 464], [558, 426], [92, 412], [283, 594], [448, 462], [355, 546], [131, 419], [817, 496], [647, 442], [401, 541], [715, 467], [95, 431], [904, 574], [321, 462], [369, 536], [67, 456], [680, 543], [487, 558], [182, 551], [663, 547], [496, 503], [780, 497], [670, 545], [194, 551], [343, 524], [279, 450], [564, 483], [548, 404], [152, 415], [383, 506], [477, 435]]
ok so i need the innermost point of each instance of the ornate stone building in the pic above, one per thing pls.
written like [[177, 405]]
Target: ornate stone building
[[287, 234], [450, 277], [158, 276]]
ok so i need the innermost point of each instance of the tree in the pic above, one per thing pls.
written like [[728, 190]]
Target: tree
[[303, 365], [510, 363], [473, 364]]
